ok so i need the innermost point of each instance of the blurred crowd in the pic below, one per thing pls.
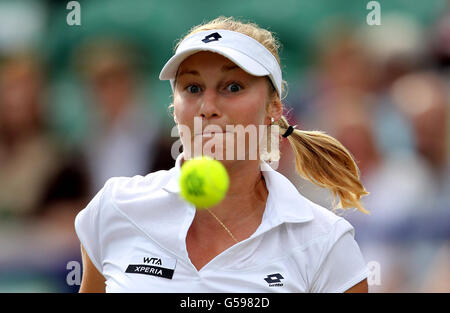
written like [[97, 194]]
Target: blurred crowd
[[384, 93]]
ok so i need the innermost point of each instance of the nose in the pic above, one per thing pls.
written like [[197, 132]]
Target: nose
[[209, 106]]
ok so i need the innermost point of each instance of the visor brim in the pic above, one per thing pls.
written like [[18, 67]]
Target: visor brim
[[242, 60]]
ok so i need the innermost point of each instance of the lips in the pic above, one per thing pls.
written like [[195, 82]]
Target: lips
[[209, 134]]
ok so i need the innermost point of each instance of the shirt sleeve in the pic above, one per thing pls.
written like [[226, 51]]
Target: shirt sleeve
[[87, 228], [342, 265]]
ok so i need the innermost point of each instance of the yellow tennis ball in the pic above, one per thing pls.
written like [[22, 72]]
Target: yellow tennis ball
[[203, 181]]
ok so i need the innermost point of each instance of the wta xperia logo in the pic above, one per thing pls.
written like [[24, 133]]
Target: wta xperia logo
[[229, 142], [154, 266], [163, 267]]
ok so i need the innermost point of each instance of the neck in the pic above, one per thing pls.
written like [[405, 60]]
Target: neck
[[247, 189]]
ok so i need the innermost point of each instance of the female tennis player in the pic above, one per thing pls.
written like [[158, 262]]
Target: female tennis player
[[138, 235]]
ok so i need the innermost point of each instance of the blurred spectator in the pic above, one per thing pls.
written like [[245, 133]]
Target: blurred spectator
[[41, 187], [123, 136], [28, 157], [400, 185], [341, 64], [424, 99], [396, 49], [361, 63]]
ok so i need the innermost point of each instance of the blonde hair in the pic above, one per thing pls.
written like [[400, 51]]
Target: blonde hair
[[319, 157]]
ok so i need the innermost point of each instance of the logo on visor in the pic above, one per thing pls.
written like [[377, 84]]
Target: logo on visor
[[211, 37]]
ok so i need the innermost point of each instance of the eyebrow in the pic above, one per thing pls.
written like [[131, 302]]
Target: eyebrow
[[188, 72], [225, 68]]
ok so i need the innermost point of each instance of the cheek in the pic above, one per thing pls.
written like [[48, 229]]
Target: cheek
[[181, 110], [184, 114], [253, 112]]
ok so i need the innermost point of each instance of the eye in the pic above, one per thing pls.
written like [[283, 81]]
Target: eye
[[234, 87], [193, 89]]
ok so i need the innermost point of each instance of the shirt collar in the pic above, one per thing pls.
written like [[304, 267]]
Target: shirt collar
[[284, 203]]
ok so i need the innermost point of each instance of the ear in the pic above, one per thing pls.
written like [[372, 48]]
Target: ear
[[274, 110]]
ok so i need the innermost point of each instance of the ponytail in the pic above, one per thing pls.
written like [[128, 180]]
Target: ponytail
[[324, 161]]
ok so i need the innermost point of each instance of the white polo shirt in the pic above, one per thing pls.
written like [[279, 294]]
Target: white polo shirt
[[134, 231]]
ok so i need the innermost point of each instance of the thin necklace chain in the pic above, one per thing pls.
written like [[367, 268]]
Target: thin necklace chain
[[223, 225]]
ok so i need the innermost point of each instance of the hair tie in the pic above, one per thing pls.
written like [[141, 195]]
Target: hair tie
[[289, 131]]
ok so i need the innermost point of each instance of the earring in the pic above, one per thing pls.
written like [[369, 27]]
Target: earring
[[272, 120]]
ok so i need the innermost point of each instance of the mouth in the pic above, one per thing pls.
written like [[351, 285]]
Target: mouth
[[209, 134]]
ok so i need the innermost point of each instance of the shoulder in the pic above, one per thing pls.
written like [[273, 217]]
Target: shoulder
[[326, 221], [120, 188], [304, 222], [312, 241], [337, 263], [118, 191], [325, 240], [324, 224]]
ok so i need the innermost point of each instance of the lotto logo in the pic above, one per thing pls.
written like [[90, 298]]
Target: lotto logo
[[211, 37], [274, 279]]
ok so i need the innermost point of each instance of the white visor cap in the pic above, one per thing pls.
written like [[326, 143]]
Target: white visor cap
[[244, 51]]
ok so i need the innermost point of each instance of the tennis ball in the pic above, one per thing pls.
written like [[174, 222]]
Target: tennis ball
[[203, 181]]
